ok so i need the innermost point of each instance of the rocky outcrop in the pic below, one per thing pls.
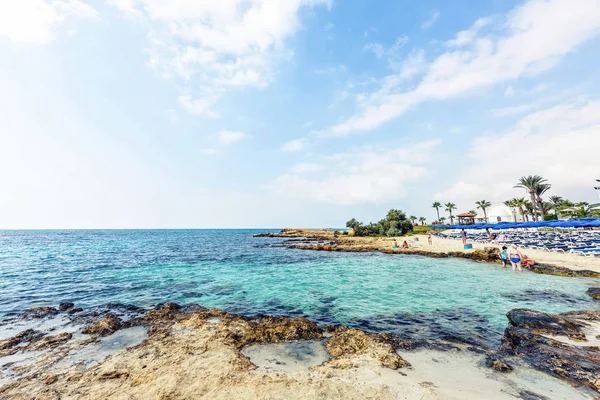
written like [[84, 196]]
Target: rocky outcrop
[[50, 342], [40, 312], [528, 336], [497, 363], [107, 326], [345, 344], [9, 346]]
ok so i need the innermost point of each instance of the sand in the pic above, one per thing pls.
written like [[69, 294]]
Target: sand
[[572, 261]]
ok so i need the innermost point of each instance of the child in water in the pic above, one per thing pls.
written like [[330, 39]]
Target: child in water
[[504, 256]]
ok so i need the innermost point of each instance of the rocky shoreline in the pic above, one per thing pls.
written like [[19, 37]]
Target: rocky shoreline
[[189, 343], [323, 240]]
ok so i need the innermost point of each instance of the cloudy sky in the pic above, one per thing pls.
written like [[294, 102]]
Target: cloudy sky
[[273, 113]]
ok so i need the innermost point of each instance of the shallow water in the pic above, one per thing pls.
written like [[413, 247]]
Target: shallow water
[[288, 357], [409, 295], [97, 352]]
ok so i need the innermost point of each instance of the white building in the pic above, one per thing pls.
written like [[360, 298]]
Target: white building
[[502, 213]]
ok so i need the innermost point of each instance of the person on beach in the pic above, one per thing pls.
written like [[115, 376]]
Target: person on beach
[[504, 256], [463, 233], [405, 245], [515, 258], [429, 237], [395, 246]]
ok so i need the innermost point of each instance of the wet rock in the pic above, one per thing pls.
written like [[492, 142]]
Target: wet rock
[[40, 312], [50, 341], [28, 335], [497, 363], [594, 292], [104, 327], [579, 365], [542, 323], [169, 311], [51, 379], [346, 343], [65, 306], [75, 310], [562, 271], [123, 307], [586, 315], [279, 329]]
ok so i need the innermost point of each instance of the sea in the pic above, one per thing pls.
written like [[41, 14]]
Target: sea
[[413, 297]]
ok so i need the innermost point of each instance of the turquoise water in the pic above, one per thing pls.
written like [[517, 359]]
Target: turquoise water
[[411, 296]]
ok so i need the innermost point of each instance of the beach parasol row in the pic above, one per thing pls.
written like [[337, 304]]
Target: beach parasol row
[[573, 223]]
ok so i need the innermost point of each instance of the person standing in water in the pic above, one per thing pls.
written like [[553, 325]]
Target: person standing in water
[[515, 258], [504, 256]]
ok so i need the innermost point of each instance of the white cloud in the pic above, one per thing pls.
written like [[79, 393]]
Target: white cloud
[[559, 143], [432, 20], [215, 47], [230, 137], [467, 36], [514, 110], [294, 145], [392, 52], [36, 21], [200, 106], [328, 27], [365, 176], [375, 48], [535, 36]]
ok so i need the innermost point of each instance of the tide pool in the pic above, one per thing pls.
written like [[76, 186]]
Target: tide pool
[[412, 296]]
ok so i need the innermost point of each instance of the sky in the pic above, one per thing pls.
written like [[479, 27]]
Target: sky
[[281, 113]]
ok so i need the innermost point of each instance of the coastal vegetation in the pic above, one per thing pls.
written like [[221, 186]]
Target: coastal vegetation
[[394, 224]]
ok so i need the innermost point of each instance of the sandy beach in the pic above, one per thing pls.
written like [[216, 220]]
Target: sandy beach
[[572, 261]]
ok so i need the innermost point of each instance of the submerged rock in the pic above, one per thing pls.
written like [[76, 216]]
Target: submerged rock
[[65, 306], [525, 337], [110, 324], [594, 292], [548, 324]]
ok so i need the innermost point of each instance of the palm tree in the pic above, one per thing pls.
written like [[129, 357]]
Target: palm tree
[[449, 208], [413, 219], [520, 204], [532, 184], [437, 206], [582, 204], [442, 220], [539, 191], [556, 203], [483, 204], [585, 211], [422, 220]]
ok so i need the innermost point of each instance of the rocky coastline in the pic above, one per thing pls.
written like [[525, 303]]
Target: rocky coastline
[[324, 240], [188, 344]]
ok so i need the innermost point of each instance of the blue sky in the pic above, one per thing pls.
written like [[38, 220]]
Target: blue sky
[[265, 113]]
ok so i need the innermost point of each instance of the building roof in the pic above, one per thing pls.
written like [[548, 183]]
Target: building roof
[[467, 214]]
